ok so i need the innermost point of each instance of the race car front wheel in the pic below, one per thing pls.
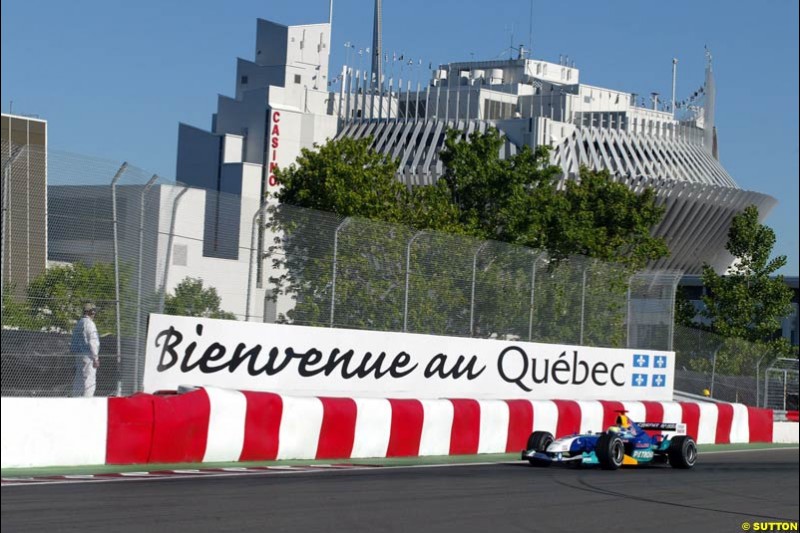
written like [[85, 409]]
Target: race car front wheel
[[682, 452], [538, 442], [610, 451]]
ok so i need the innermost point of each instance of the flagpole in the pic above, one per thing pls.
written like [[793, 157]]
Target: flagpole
[[447, 98], [469, 92], [438, 87], [372, 96], [356, 114], [427, 100], [364, 98], [408, 91], [349, 87], [389, 106], [416, 104]]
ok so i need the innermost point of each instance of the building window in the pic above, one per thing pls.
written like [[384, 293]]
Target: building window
[[297, 79], [244, 80]]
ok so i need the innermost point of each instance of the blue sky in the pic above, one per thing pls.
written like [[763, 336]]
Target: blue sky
[[114, 78]]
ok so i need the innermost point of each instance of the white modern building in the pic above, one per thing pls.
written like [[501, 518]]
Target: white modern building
[[282, 103]]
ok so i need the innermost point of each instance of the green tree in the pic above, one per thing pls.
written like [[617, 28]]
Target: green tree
[[481, 196], [192, 299], [516, 200], [56, 296], [347, 177], [749, 301], [504, 199], [599, 218], [685, 311], [16, 311]]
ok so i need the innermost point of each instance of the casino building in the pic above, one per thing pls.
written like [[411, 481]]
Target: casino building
[[285, 99]]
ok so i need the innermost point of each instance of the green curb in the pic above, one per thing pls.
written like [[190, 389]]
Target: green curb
[[396, 461]]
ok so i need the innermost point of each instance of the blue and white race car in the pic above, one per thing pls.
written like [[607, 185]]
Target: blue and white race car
[[625, 443]]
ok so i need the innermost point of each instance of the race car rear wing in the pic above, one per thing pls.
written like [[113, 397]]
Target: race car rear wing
[[677, 428]]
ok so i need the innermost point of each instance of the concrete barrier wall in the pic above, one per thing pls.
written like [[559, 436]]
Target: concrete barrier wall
[[224, 425], [53, 431]]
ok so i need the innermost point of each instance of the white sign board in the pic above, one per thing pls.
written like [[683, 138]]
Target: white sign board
[[310, 361]]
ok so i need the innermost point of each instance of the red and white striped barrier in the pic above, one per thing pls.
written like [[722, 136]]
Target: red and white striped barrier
[[225, 425]]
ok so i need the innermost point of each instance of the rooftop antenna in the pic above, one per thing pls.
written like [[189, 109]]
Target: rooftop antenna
[[330, 12], [530, 32], [710, 90], [674, 79], [377, 45]]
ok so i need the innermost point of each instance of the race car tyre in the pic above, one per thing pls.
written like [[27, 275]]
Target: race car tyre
[[610, 451], [539, 441], [682, 452]]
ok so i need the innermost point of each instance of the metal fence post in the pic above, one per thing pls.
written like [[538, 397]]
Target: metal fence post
[[533, 287], [713, 371], [341, 225], [628, 318], [472, 297], [162, 293], [583, 304], [114, 181], [785, 387], [145, 190], [6, 206], [671, 323], [257, 216], [408, 271], [758, 382]]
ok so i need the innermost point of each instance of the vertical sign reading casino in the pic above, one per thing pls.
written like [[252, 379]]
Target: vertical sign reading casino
[[274, 143]]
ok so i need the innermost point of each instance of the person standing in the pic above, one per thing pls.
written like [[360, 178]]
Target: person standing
[[86, 348]]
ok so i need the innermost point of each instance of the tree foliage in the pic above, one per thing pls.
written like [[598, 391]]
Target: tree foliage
[[749, 301], [516, 200], [192, 299], [56, 296], [481, 196]]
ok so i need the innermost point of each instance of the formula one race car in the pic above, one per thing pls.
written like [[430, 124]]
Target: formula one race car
[[625, 443]]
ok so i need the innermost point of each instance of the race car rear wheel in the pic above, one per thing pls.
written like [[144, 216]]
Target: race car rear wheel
[[538, 442], [682, 452], [610, 451]]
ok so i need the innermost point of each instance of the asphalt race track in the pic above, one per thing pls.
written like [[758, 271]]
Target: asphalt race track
[[723, 491]]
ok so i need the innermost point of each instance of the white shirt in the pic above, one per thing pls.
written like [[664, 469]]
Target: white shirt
[[85, 340]]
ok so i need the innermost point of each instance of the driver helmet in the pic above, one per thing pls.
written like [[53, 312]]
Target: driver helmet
[[623, 421]]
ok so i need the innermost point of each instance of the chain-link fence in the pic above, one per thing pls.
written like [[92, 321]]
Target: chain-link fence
[[357, 273], [78, 229], [781, 385], [732, 370]]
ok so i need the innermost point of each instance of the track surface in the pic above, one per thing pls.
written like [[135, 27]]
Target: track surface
[[724, 490]]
